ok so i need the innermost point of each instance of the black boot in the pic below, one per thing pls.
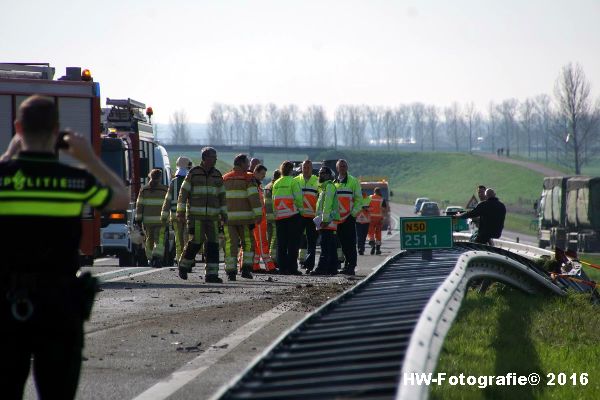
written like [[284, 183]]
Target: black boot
[[246, 272], [377, 249], [183, 273], [231, 276], [372, 250], [213, 278]]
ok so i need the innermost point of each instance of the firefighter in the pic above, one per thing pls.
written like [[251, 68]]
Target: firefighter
[[350, 202], [327, 215], [377, 210], [169, 210], [203, 195], [362, 223], [261, 248], [309, 184], [271, 231], [287, 202], [244, 212], [43, 303], [148, 211]]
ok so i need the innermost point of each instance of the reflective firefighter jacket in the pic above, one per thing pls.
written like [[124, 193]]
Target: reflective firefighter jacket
[[243, 203], [349, 196], [327, 205], [170, 203], [287, 197], [202, 194], [149, 203], [310, 193]]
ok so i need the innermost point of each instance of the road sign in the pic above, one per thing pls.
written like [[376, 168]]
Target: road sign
[[425, 233], [472, 203]]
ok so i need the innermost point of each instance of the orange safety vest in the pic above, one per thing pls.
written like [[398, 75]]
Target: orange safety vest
[[375, 207]]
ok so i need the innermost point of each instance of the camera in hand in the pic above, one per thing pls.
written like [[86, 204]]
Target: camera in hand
[[61, 143]]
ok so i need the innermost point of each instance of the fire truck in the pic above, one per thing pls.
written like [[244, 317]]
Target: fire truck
[[131, 151], [78, 100]]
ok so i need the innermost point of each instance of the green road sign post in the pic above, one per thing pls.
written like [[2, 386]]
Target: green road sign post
[[425, 233]]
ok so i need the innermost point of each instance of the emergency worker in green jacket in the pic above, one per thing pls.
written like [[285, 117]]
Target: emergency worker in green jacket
[[328, 215]]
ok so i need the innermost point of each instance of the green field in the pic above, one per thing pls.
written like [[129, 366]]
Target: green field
[[507, 331], [446, 177]]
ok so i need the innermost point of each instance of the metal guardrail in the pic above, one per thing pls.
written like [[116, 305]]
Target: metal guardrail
[[394, 321]]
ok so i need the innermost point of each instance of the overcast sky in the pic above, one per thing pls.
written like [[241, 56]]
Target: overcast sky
[[184, 54]]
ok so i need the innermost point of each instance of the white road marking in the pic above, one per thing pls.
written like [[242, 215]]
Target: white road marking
[[198, 365], [122, 278], [115, 271]]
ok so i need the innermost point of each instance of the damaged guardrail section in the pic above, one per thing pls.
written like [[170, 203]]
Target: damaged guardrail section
[[435, 321]]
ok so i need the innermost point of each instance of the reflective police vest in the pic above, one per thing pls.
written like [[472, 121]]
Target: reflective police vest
[[287, 197], [310, 193], [349, 197]]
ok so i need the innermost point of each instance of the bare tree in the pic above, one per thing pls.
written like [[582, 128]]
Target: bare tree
[[351, 121], [217, 124], [272, 122], [507, 111], [402, 120], [470, 116], [572, 93], [527, 114], [389, 127], [544, 111], [453, 124], [418, 116], [431, 124], [180, 128], [492, 125], [375, 117], [314, 121], [251, 115], [287, 125]]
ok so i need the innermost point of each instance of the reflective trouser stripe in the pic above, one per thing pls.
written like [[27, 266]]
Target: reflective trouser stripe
[[261, 249], [206, 232], [154, 240], [181, 237], [272, 237], [234, 235], [375, 231]]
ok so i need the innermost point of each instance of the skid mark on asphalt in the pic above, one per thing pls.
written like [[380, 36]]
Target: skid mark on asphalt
[[198, 365]]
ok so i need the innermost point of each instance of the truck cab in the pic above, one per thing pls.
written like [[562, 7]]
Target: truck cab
[[130, 150]]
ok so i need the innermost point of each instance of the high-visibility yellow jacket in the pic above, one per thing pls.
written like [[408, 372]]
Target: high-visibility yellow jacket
[[310, 193], [243, 202], [202, 194], [349, 196], [287, 197], [149, 203], [327, 205]]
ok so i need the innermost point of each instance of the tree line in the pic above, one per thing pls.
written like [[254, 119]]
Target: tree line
[[562, 128]]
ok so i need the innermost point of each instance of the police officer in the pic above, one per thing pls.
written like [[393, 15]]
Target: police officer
[[169, 209], [42, 302], [350, 200], [327, 211], [309, 184], [148, 213], [287, 202]]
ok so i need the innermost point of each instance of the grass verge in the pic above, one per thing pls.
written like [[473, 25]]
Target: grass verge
[[507, 331]]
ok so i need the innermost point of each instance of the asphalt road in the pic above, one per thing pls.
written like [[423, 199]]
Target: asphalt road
[[155, 336]]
